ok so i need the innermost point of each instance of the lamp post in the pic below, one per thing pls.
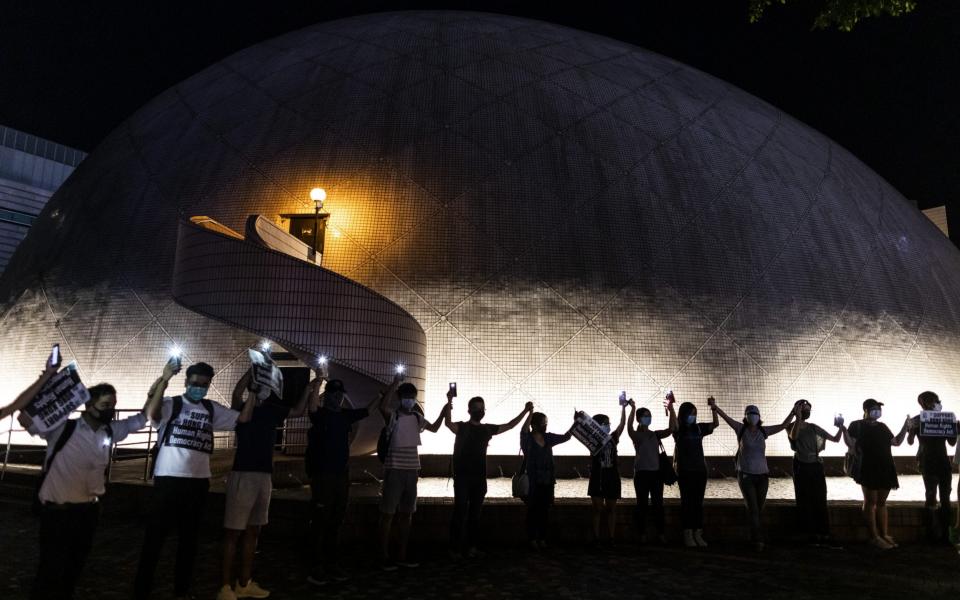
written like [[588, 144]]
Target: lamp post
[[318, 195]]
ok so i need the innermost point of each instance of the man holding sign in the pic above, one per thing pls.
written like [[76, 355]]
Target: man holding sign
[[934, 428], [73, 476]]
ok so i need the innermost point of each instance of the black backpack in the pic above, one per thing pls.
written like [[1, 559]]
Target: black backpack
[[162, 439], [68, 430], [383, 442]]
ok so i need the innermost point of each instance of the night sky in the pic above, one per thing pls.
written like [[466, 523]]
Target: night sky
[[72, 71]]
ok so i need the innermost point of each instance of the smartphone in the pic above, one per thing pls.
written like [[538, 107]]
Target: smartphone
[[175, 362], [453, 389], [623, 398], [837, 420], [401, 370], [55, 356]]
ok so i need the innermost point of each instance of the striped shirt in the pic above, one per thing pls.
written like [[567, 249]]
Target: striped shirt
[[406, 456]]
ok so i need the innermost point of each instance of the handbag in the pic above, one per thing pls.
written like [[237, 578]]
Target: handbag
[[667, 473], [851, 463], [520, 482]]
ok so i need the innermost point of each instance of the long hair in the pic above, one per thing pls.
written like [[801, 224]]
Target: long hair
[[682, 413]]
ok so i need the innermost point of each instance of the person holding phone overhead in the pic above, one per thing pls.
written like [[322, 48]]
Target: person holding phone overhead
[[470, 472], [647, 481], [809, 481], [692, 470], [72, 481]]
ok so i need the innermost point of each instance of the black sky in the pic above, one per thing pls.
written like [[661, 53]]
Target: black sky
[[888, 91]]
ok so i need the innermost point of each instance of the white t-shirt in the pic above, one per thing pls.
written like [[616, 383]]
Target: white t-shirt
[[186, 452], [77, 472]]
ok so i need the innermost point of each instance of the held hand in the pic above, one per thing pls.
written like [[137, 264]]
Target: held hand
[[711, 402], [528, 407], [450, 397], [631, 403]]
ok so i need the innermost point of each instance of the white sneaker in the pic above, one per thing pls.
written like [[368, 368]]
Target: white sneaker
[[688, 540], [698, 538], [226, 593], [251, 590]]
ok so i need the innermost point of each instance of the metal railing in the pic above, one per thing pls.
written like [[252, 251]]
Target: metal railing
[[292, 435]]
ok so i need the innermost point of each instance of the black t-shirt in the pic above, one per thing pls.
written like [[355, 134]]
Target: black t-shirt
[[688, 452], [470, 449], [256, 438], [328, 440], [932, 452]]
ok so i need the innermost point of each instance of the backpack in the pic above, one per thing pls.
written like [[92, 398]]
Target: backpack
[[68, 429], [386, 434], [165, 434]]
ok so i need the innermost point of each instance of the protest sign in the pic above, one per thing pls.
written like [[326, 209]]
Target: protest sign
[[589, 433], [59, 397], [935, 423], [266, 374]]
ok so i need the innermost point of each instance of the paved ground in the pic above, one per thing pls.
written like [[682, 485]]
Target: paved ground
[[790, 573]]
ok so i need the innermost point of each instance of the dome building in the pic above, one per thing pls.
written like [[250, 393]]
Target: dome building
[[535, 212]]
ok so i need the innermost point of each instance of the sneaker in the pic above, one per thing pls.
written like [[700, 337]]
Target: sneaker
[[688, 540], [337, 574], [893, 543], [251, 590], [698, 538], [880, 543], [408, 563], [226, 593], [386, 564], [318, 577]]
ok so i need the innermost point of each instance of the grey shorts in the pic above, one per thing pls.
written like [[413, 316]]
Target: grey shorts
[[399, 492], [248, 499]]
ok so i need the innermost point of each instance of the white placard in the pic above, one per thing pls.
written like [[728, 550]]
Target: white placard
[[936, 423], [589, 433], [266, 374], [59, 397]]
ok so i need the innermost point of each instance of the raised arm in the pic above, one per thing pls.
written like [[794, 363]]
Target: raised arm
[[246, 411], [447, 411], [712, 403], [836, 437], [773, 429], [435, 426], [631, 430], [527, 408], [236, 399], [27, 395], [623, 421], [154, 406], [735, 425], [903, 433], [673, 426], [379, 403]]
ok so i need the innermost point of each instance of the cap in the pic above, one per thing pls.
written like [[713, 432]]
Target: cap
[[751, 409], [870, 403], [334, 385]]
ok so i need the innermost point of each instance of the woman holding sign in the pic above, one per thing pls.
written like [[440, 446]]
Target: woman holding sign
[[877, 474]]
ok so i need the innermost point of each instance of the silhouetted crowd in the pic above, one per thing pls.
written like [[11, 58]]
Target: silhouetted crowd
[[78, 454]]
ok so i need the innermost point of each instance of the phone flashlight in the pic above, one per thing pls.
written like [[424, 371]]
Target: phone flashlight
[[55, 355], [400, 370], [322, 361], [453, 388], [265, 346]]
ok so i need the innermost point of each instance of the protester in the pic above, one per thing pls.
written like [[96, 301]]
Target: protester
[[647, 480], [470, 472], [72, 482], [401, 469], [537, 446], [753, 474], [809, 481], [250, 483], [692, 470], [604, 484], [876, 474], [327, 463], [185, 425], [936, 470]]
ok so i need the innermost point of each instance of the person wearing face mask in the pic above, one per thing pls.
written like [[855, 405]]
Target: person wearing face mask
[[691, 468], [809, 482], [537, 446], [753, 474], [470, 472], [401, 469], [327, 462], [647, 481], [877, 474], [72, 483], [250, 482], [604, 484], [936, 470], [185, 425]]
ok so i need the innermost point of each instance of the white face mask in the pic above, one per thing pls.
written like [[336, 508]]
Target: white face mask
[[753, 419], [874, 413], [407, 403], [605, 428]]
